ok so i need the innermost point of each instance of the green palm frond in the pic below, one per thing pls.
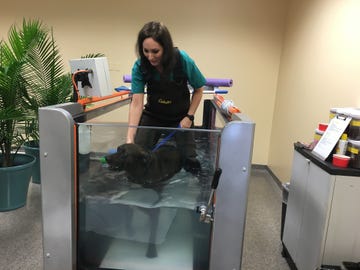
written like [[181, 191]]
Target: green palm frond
[[93, 55], [48, 84]]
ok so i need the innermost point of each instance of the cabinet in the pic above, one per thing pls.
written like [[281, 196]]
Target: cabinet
[[322, 224]]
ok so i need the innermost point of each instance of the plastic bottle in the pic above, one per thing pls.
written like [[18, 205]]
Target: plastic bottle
[[342, 145], [84, 140]]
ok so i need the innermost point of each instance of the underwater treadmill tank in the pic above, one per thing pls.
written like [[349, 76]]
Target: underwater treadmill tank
[[95, 217]]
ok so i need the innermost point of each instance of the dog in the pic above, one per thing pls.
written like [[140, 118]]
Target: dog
[[146, 167]]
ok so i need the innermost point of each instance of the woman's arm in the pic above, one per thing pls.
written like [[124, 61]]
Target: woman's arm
[[195, 101], [136, 107]]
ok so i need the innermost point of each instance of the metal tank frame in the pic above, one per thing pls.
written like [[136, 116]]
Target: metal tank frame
[[59, 202]]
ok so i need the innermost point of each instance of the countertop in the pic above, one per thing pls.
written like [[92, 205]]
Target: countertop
[[325, 165]]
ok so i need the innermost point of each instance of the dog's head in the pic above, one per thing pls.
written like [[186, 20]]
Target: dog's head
[[129, 157]]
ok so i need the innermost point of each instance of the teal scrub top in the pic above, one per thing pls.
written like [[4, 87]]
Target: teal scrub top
[[193, 74]]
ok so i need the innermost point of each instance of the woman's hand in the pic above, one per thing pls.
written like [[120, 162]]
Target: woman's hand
[[185, 122]]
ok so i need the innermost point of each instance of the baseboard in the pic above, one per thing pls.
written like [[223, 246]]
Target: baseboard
[[266, 168]]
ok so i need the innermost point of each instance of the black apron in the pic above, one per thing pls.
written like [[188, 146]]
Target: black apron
[[167, 100]]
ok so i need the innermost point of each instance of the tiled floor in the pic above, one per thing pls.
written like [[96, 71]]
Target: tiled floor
[[21, 230]]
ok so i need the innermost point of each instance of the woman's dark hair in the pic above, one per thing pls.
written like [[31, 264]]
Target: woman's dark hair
[[158, 32]]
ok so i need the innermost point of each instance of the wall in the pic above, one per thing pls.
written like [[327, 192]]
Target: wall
[[320, 67], [238, 39]]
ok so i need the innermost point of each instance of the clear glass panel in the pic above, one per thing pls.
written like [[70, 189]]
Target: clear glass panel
[[125, 222]]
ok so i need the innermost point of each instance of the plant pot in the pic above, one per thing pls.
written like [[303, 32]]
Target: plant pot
[[32, 148], [14, 182]]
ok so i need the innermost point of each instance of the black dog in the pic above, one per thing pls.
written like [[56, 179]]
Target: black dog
[[144, 166]]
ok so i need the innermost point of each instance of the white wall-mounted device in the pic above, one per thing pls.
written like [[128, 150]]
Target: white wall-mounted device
[[99, 78]]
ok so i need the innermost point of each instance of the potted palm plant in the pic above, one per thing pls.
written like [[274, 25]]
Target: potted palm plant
[[15, 168]]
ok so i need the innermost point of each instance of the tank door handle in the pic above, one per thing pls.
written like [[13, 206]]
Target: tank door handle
[[207, 211]]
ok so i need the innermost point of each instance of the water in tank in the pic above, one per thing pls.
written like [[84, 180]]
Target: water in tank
[[127, 223]]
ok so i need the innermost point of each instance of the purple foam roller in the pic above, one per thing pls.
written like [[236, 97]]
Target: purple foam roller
[[218, 82], [209, 81], [127, 78]]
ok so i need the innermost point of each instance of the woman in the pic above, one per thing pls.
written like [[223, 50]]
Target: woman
[[166, 72]]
